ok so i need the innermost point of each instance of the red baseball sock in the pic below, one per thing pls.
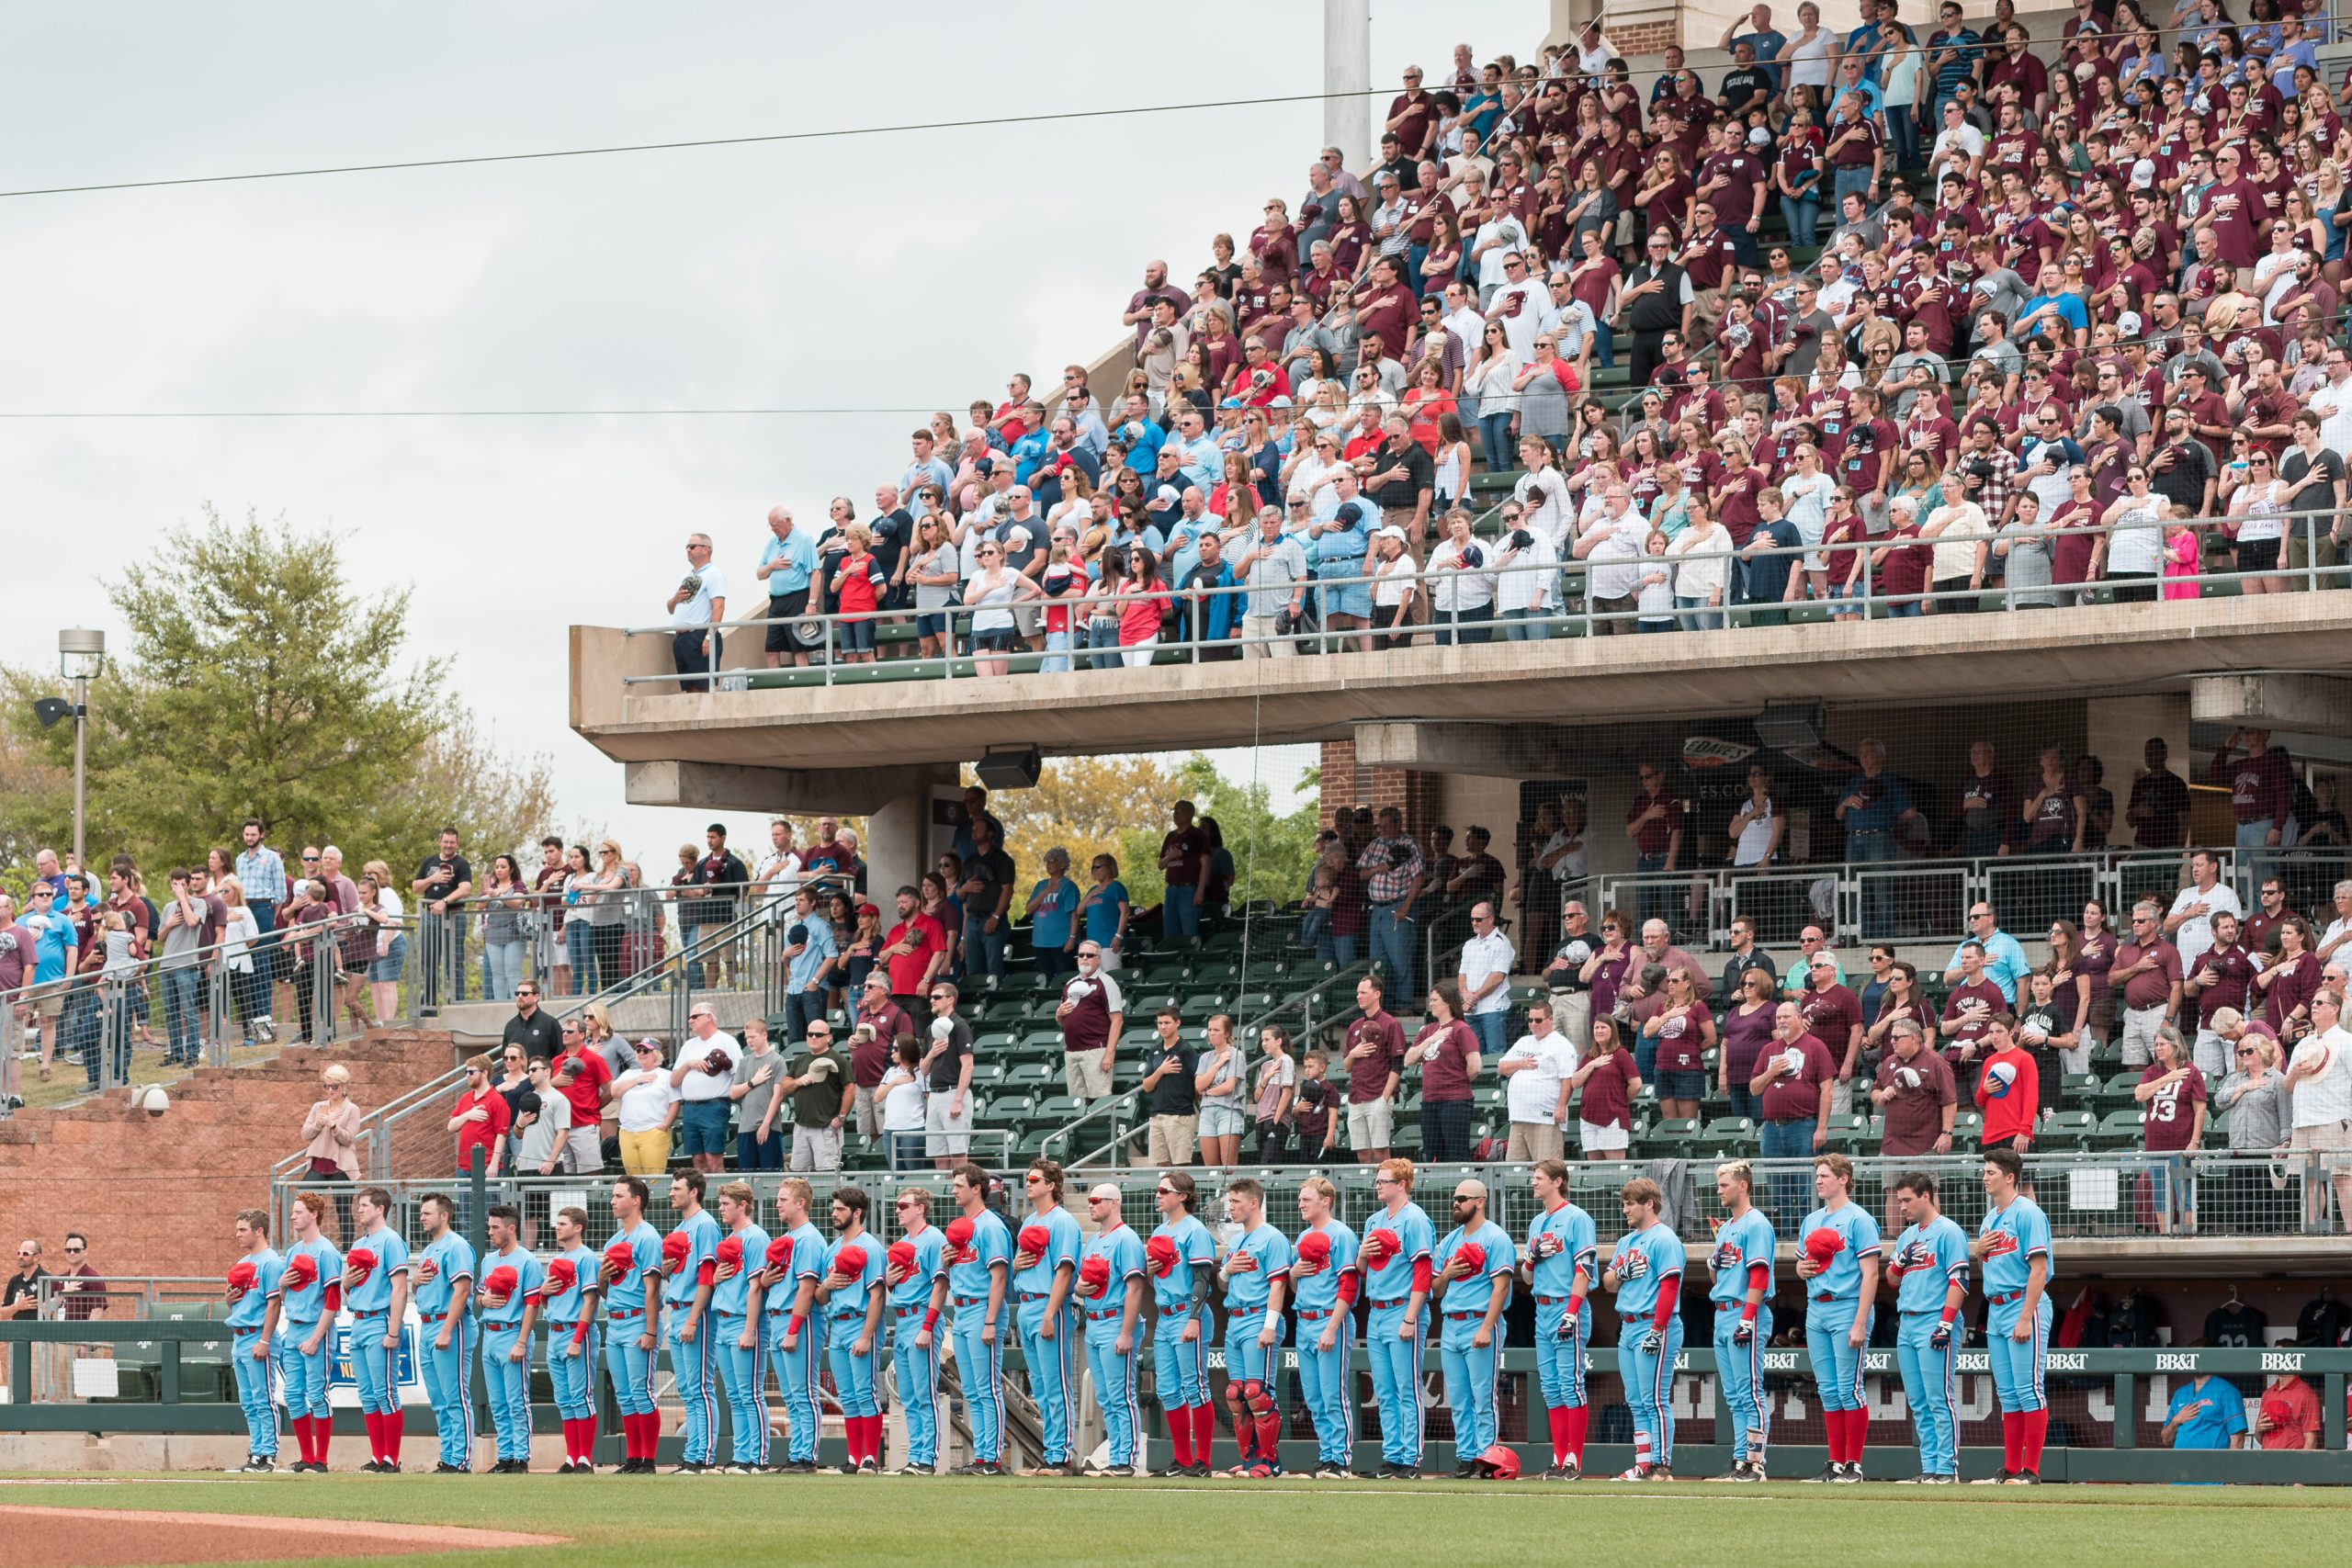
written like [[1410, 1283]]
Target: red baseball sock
[[649, 1435], [1179, 1433], [1858, 1433], [315, 1440], [1204, 1433], [633, 1435], [392, 1435], [873, 1448], [322, 1427], [1841, 1436], [1556, 1417], [2036, 1426], [375, 1436], [1580, 1417], [2012, 1440]]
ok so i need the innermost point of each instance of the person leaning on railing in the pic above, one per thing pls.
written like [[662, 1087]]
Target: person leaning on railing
[[331, 1140]]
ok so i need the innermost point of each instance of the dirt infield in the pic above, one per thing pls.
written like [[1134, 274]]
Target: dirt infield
[[123, 1537]]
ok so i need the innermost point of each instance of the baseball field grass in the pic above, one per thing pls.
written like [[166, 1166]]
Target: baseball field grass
[[722, 1522]]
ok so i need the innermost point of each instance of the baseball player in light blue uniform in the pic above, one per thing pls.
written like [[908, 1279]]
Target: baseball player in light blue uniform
[[568, 1308], [979, 1273], [1561, 1265], [1475, 1264], [1837, 1258], [632, 1322], [306, 1343], [1930, 1271], [740, 1342], [254, 1311], [1042, 1290], [796, 1327], [508, 1325], [1645, 1271], [851, 1297], [1110, 1301], [916, 1278], [1182, 1256], [686, 1289], [445, 1281], [2012, 1247], [1395, 1258], [1323, 1287], [1257, 1272], [1742, 1293], [376, 1292]]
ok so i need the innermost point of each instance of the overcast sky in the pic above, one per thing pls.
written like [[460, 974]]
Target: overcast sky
[[910, 270]]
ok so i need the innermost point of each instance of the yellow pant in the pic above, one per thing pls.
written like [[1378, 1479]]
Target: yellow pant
[[646, 1154]]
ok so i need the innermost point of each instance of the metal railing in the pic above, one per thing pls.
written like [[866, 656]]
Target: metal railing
[[195, 1007], [1927, 899], [1860, 598]]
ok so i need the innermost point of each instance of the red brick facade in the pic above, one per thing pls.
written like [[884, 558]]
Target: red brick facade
[[1417, 795]]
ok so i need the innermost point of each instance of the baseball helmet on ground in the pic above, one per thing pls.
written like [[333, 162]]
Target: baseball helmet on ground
[[1499, 1463]]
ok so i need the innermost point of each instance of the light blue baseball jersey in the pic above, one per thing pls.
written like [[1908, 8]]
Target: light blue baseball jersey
[[1062, 1248], [731, 1295], [1319, 1291], [253, 1305], [627, 1292], [849, 1300], [808, 1259], [1501, 1258], [930, 1257], [1739, 1245], [2025, 1226], [703, 1237], [1194, 1244], [308, 1304], [375, 1292], [1934, 1257], [992, 1243], [1124, 1250], [567, 1304], [452, 1256], [529, 1273], [1247, 1290], [1559, 1242], [1392, 1277], [1843, 1276], [1660, 1251]]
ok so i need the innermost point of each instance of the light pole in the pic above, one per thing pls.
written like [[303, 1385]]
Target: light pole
[[80, 654]]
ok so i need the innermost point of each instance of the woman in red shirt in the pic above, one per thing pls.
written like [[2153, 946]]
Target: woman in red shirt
[[1447, 1053], [857, 596], [1424, 401], [1685, 1030], [1142, 602], [2289, 980], [2071, 539], [2172, 1100], [1606, 1084]]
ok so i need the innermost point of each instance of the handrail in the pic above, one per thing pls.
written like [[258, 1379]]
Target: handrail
[[1865, 600]]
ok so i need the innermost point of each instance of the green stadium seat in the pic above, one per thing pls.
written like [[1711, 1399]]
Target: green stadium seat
[[1027, 1075], [2119, 1129], [2067, 1130]]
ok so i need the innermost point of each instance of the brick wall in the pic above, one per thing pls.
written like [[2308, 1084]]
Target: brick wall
[[1418, 795], [160, 1195], [1644, 37]]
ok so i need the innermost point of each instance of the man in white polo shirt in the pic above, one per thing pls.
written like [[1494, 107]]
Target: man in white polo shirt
[[1485, 978], [1535, 1075], [2319, 1080], [2189, 925]]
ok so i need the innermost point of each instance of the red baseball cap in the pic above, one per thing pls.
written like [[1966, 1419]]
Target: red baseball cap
[[1381, 1244], [901, 1254], [1473, 1254], [360, 1261], [1161, 1250], [780, 1253], [674, 1247], [242, 1275], [561, 1276], [730, 1251], [850, 1262], [302, 1271], [959, 1238], [1314, 1246], [1094, 1275], [621, 1256], [501, 1280], [1823, 1244], [1036, 1240]]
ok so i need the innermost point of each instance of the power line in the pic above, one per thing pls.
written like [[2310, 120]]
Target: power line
[[829, 134], [459, 414]]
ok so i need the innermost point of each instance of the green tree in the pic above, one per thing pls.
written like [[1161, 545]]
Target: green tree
[[1271, 851], [1088, 806], [258, 682]]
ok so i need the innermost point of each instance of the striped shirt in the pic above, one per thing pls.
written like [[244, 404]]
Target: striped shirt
[[262, 875]]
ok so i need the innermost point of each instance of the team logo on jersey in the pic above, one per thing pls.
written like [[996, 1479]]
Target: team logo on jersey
[[1726, 1256]]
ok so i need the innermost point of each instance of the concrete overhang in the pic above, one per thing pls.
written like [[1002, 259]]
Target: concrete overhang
[[2295, 700], [1943, 661]]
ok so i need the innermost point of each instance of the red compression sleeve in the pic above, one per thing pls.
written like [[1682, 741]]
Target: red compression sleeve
[[930, 1318], [1758, 1276], [1350, 1282], [1668, 1289], [1421, 1275], [1951, 1310]]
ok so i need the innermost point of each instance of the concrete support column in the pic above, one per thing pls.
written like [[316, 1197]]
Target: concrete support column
[[1346, 70], [2116, 730], [901, 840]]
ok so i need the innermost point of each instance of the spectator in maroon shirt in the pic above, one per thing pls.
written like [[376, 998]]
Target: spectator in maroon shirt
[[1373, 1055], [2174, 1102], [1915, 1094], [1655, 823], [1606, 1084], [2262, 788], [2289, 979], [1446, 1051], [1833, 1015], [2146, 978], [1970, 1008], [1796, 1082], [83, 1292]]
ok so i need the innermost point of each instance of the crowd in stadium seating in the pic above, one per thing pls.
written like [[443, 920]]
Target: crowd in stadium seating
[[2072, 332]]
